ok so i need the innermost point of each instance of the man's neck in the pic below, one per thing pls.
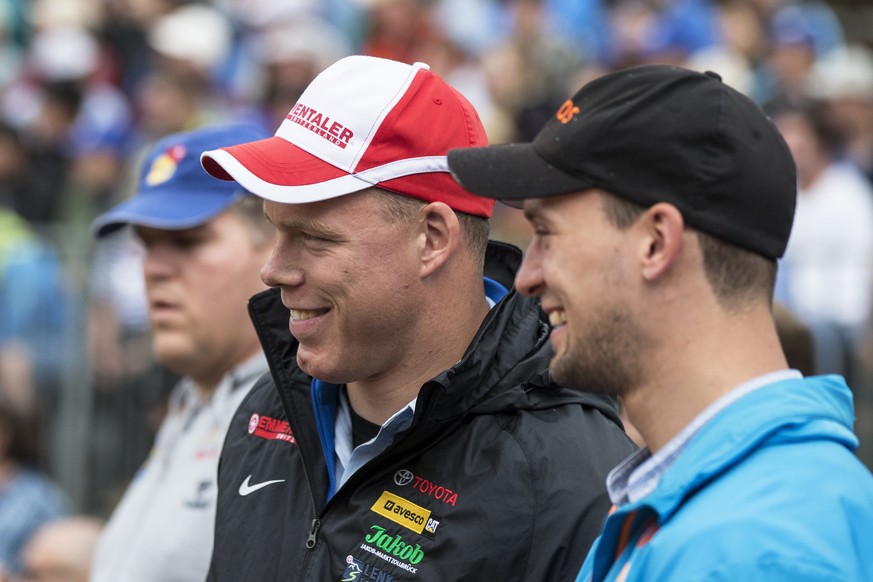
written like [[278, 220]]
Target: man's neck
[[206, 382], [708, 365], [377, 398]]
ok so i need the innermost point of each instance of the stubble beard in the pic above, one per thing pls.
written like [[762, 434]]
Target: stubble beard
[[604, 357]]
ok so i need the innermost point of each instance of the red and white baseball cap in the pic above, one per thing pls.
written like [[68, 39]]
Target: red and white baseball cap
[[363, 121]]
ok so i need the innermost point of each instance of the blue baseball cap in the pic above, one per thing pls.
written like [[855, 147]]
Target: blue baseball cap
[[174, 192]]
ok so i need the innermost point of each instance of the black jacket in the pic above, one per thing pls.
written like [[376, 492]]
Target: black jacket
[[499, 477]]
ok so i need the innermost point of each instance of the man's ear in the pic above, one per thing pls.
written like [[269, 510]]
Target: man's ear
[[440, 236], [663, 227]]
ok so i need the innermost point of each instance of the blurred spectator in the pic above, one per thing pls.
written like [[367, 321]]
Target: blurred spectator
[[61, 551], [825, 276], [662, 31], [75, 124], [789, 63], [33, 297], [204, 243], [182, 91], [843, 80], [292, 52], [800, 32], [28, 499], [169, 101], [196, 37], [816, 18], [130, 387], [395, 28], [12, 31], [484, 23], [738, 56], [530, 75]]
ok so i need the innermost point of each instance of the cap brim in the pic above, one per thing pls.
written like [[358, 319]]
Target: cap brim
[[277, 170], [511, 173], [163, 210]]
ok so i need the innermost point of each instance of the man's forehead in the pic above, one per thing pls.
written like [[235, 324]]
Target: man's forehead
[[152, 232], [537, 208], [326, 217], [552, 207]]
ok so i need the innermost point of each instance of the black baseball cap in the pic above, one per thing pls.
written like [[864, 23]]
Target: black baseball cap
[[649, 134]]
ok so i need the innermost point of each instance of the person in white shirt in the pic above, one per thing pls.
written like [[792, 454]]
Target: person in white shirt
[[204, 243], [826, 276]]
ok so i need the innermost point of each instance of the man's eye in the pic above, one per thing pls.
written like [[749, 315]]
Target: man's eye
[[311, 238], [186, 242]]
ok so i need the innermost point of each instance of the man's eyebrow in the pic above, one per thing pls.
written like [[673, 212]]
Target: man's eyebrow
[[306, 225], [532, 212]]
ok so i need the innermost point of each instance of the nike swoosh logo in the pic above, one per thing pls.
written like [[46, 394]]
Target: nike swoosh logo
[[246, 488]]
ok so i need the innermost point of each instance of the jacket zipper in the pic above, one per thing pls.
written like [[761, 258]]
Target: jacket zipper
[[313, 533]]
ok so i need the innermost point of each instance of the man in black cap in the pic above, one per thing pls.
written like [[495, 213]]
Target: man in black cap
[[661, 199]]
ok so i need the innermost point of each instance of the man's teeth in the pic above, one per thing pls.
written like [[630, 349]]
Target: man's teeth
[[302, 314], [557, 318]]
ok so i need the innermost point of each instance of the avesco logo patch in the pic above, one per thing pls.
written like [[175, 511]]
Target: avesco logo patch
[[271, 429], [321, 125], [401, 511], [405, 477]]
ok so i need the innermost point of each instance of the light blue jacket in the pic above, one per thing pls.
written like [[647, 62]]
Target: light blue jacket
[[768, 490]]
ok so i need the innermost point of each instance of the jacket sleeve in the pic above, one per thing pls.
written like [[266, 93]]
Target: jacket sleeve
[[570, 491]]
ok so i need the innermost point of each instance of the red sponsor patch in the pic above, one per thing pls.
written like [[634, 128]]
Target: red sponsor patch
[[404, 478], [271, 429]]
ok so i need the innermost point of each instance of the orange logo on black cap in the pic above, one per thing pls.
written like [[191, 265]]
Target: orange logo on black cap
[[567, 112]]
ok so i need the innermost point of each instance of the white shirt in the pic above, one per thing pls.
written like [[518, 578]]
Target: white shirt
[[827, 270], [348, 458], [163, 527]]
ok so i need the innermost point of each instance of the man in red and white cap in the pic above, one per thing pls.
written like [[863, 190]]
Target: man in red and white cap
[[409, 429]]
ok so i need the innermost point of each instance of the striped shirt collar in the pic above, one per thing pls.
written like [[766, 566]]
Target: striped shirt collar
[[639, 474]]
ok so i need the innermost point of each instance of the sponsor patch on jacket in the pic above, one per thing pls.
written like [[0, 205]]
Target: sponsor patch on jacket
[[360, 570], [406, 478], [403, 512], [393, 549], [271, 429]]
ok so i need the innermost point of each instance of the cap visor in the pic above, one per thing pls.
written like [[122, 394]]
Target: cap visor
[[510, 173], [170, 210], [278, 170]]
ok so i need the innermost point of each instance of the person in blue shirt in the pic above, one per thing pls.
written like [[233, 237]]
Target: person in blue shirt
[[660, 200], [28, 497]]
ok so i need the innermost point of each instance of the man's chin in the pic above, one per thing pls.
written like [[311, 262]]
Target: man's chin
[[312, 366], [175, 356]]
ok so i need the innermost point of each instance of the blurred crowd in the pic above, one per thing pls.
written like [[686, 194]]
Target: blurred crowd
[[87, 85]]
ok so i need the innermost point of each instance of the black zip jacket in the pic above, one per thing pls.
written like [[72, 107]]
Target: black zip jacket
[[500, 476]]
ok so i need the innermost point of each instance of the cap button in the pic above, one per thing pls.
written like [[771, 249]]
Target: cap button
[[421, 65], [715, 76]]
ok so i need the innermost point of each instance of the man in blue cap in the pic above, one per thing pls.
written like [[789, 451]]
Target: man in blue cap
[[204, 244]]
